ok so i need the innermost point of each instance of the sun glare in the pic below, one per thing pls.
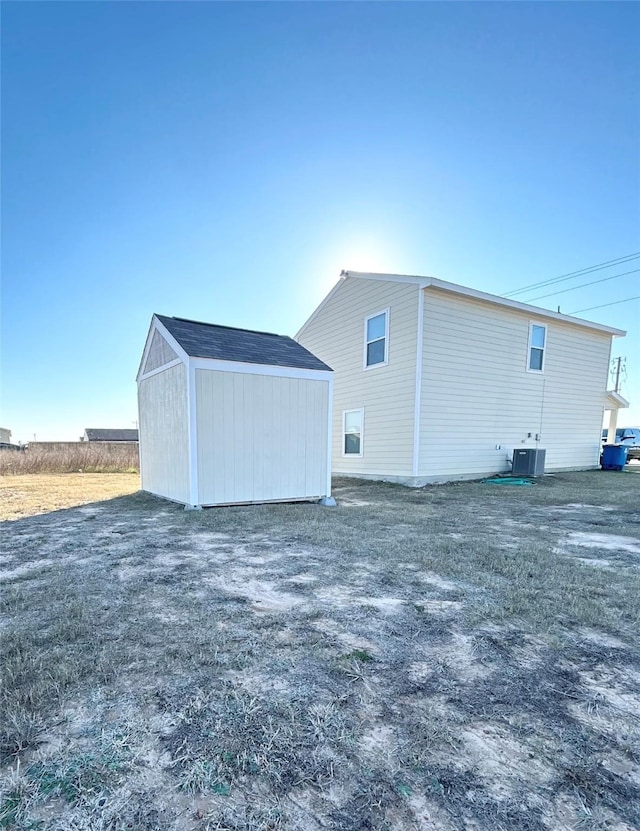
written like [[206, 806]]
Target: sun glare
[[363, 254]]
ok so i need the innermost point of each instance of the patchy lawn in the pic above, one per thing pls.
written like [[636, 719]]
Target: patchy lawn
[[38, 493], [458, 657]]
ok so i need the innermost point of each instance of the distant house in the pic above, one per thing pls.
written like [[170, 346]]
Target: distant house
[[104, 434], [434, 381], [5, 440], [232, 416]]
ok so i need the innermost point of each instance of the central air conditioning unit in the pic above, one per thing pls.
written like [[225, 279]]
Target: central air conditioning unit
[[528, 461]]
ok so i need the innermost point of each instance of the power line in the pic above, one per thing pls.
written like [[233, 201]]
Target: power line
[[615, 303], [583, 285], [579, 273]]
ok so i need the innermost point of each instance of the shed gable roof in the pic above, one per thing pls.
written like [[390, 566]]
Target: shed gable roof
[[225, 343]]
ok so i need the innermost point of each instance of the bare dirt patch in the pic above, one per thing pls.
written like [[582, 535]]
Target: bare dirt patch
[[389, 664]]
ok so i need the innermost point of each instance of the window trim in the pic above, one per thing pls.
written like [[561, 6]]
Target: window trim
[[345, 413], [530, 346], [366, 366]]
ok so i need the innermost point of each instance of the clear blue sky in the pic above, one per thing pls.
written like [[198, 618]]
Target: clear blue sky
[[225, 161]]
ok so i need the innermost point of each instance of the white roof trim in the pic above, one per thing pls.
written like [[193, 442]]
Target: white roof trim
[[160, 369], [219, 365], [454, 288], [616, 400]]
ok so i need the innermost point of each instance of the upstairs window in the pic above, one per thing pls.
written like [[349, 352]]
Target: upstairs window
[[537, 346], [352, 432], [376, 335]]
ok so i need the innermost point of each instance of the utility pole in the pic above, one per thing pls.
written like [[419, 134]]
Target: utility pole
[[616, 372]]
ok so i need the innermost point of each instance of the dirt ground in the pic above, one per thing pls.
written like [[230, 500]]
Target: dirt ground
[[32, 494], [456, 658]]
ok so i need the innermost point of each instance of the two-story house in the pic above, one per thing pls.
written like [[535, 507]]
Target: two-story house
[[435, 382]]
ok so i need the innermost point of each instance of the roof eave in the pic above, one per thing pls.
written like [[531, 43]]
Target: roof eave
[[203, 362], [454, 288], [443, 285], [617, 400]]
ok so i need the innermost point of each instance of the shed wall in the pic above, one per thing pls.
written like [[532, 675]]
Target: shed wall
[[387, 393], [477, 393], [260, 437], [164, 433]]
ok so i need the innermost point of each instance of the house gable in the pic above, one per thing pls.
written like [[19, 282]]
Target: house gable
[[385, 390]]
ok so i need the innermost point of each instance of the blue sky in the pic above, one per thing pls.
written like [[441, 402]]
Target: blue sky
[[224, 161]]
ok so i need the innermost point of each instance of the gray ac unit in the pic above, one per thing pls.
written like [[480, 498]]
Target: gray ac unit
[[528, 461]]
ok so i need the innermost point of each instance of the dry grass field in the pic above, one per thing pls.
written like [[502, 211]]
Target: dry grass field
[[71, 457], [39, 493], [461, 657]]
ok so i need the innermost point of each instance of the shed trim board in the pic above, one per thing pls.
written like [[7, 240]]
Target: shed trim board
[[418, 393], [192, 412], [261, 369], [159, 369], [329, 434], [315, 498]]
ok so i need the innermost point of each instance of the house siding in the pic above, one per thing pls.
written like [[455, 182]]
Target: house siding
[[387, 393], [477, 393], [260, 437], [164, 433]]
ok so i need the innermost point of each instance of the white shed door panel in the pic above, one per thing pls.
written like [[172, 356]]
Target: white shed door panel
[[260, 437]]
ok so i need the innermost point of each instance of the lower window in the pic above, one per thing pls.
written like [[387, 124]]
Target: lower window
[[352, 432]]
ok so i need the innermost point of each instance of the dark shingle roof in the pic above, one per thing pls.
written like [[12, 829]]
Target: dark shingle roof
[[99, 434], [208, 340]]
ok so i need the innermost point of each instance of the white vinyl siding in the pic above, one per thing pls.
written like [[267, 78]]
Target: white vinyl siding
[[335, 335], [474, 399], [164, 433], [260, 437]]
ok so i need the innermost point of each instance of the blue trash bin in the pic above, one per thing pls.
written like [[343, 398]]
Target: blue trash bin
[[614, 456]]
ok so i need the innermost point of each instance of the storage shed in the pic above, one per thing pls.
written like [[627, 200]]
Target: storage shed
[[231, 416]]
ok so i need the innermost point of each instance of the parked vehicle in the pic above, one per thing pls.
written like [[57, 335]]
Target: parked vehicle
[[629, 437]]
